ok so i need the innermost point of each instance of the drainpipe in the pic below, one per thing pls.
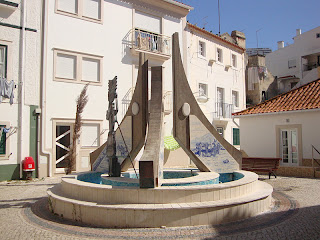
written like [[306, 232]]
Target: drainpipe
[[42, 126], [20, 85]]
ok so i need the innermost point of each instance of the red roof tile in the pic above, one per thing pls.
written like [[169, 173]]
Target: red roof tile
[[302, 98]]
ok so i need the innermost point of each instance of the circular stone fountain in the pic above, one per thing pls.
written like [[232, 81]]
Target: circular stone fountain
[[172, 206]]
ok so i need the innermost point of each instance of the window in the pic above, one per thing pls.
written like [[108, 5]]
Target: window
[[234, 60], [3, 137], [77, 67], [202, 49], [203, 89], [292, 63], [264, 96], [3, 61], [318, 35], [220, 131], [86, 9], [219, 55], [90, 135], [235, 98], [236, 136]]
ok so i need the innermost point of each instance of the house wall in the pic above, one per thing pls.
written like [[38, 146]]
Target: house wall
[[304, 44], [260, 134], [107, 40], [216, 75], [10, 162]]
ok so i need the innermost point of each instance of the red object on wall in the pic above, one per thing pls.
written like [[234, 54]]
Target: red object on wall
[[28, 164]]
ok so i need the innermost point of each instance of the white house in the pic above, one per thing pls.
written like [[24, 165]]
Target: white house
[[297, 62], [216, 72], [20, 48], [285, 127], [91, 41]]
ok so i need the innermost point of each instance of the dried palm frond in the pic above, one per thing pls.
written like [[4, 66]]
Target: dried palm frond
[[82, 101]]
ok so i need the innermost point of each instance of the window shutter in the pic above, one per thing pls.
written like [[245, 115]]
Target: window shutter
[[92, 9], [90, 136], [66, 66], [236, 136], [147, 22], [3, 142], [90, 69], [70, 6]]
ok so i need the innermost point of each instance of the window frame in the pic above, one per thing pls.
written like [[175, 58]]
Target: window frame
[[317, 35], [5, 62], [236, 136], [79, 73], [292, 65], [219, 55], [79, 13], [220, 130], [90, 124], [202, 49], [5, 156], [234, 61], [236, 104], [206, 89]]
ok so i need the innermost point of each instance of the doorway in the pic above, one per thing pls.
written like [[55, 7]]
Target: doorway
[[62, 146], [289, 146]]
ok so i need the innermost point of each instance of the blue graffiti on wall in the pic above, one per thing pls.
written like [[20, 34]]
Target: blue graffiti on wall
[[122, 150], [207, 149]]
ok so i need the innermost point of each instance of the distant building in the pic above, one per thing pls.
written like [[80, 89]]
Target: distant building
[[260, 84], [216, 74], [298, 63], [258, 51]]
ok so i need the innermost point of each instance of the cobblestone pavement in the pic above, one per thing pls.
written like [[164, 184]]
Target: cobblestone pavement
[[296, 215]]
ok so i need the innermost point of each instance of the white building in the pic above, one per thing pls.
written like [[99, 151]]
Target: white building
[[91, 41], [297, 62], [285, 127], [20, 48], [216, 72]]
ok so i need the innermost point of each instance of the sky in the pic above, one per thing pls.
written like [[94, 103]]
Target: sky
[[270, 20]]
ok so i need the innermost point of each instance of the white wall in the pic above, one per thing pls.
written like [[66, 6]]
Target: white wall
[[258, 132], [216, 75]]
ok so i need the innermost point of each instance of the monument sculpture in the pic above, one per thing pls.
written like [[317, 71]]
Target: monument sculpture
[[216, 193]]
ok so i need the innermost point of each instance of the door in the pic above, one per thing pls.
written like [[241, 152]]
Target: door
[[220, 100], [289, 146], [62, 146]]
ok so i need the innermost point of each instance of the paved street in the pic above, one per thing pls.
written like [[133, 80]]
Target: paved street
[[296, 215]]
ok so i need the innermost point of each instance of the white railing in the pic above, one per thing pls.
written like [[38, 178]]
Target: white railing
[[151, 42], [126, 100], [223, 110]]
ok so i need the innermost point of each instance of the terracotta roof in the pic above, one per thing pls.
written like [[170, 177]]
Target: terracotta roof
[[302, 98], [214, 36]]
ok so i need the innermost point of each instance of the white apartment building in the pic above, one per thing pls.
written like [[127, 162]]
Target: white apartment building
[[298, 63], [92, 41], [20, 50], [216, 72]]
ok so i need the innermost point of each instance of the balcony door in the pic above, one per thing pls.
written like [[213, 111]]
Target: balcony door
[[220, 100], [289, 146]]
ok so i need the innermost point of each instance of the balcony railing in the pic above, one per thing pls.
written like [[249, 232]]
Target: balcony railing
[[310, 66], [223, 110], [151, 42]]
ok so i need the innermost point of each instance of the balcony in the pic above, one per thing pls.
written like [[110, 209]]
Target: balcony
[[156, 45], [223, 111]]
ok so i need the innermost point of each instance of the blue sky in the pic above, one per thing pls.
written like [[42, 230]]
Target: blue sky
[[276, 19]]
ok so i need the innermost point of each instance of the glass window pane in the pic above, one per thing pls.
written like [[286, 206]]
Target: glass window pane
[[90, 69], [66, 66], [3, 60], [2, 140], [92, 9], [70, 6]]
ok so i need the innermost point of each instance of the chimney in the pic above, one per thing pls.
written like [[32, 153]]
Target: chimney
[[298, 32], [239, 38], [280, 44]]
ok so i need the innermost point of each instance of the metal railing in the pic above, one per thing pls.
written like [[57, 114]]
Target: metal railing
[[314, 160], [223, 110], [126, 100], [151, 42]]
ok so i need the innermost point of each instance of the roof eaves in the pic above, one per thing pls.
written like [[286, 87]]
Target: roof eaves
[[215, 36], [180, 4]]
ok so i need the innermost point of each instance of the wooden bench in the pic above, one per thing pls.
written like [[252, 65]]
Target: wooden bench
[[269, 165]]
